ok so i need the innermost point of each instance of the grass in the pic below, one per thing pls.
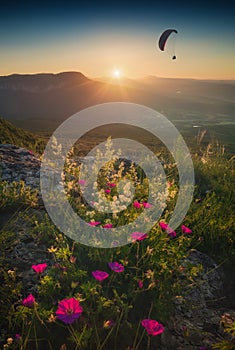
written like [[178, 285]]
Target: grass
[[11, 134], [153, 274]]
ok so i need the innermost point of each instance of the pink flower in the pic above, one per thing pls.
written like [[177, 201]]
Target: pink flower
[[69, 310], [29, 301], [107, 191], [94, 223], [168, 229], [100, 275], [137, 205], [147, 205], [82, 182], [138, 236], [108, 324], [72, 259], [39, 268], [140, 283], [59, 266], [116, 267], [17, 336], [108, 226], [163, 225], [110, 184], [171, 233], [31, 152], [152, 327], [185, 229]]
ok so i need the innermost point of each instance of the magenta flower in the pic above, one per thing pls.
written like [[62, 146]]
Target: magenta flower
[[147, 205], [107, 191], [116, 267], [163, 225], [111, 184], [171, 233], [39, 268], [59, 266], [108, 226], [137, 205], [94, 223], [140, 283], [185, 229], [82, 182], [69, 310], [17, 337], [138, 236], [100, 275], [168, 229], [29, 301], [152, 327]]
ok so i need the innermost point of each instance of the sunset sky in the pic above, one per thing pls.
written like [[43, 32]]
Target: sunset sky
[[99, 38]]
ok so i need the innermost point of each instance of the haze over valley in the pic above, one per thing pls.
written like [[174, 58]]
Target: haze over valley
[[41, 102]]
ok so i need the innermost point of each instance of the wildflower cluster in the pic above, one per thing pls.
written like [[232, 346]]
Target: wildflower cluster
[[99, 298]]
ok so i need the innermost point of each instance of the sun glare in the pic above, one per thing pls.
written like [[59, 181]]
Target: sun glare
[[117, 74]]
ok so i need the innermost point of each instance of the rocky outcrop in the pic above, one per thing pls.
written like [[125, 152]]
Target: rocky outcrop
[[26, 250], [17, 164], [195, 322]]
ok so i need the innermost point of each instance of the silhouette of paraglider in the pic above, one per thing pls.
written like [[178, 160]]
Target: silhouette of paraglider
[[163, 39]]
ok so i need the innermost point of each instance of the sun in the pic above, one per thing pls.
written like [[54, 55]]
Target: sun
[[117, 74]]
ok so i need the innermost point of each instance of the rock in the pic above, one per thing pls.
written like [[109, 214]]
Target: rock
[[23, 253], [17, 163], [196, 317]]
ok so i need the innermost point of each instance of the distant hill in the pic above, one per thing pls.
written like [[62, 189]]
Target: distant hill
[[41, 102], [42, 81], [10, 134]]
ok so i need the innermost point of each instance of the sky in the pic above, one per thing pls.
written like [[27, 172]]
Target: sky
[[99, 38]]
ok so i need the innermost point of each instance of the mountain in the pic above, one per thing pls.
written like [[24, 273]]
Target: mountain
[[41, 82], [41, 102], [218, 89], [10, 134]]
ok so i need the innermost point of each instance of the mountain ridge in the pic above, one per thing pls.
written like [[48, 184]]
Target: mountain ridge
[[42, 101]]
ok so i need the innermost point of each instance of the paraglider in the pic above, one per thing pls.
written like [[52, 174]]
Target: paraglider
[[163, 39]]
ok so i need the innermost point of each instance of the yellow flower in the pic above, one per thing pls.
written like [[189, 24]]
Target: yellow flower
[[9, 341], [11, 273], [52, 318], [149, 250], [149, 274], [52, 249]]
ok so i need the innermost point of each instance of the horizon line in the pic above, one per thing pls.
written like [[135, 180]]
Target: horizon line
[[120, 79]]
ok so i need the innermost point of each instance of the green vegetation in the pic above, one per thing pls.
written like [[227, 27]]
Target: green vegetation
[[19, 137], [17, 193], [151, 270]]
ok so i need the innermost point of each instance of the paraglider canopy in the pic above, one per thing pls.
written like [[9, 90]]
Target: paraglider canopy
[[163, 39]]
